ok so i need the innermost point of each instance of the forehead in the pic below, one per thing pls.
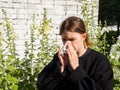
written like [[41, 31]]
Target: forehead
[[68, 34]]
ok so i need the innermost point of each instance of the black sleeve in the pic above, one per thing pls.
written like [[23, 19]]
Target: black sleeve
[[50, 76], [102, 79]]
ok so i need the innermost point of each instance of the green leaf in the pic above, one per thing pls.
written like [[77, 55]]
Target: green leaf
[[0, 79], [31, 55], [11, 68], [8, 77], [13, 80], [8, 60], [14, 87]]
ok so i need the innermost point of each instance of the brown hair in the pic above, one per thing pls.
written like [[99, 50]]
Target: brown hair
[[75, 24]]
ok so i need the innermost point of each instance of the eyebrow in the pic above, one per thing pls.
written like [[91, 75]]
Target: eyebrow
[[68, 38]]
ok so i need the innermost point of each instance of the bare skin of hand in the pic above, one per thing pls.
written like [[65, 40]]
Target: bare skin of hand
[[73, 57], [70, 58], [63, 59]]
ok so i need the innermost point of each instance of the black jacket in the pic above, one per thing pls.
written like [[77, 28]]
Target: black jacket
[[94, 73]]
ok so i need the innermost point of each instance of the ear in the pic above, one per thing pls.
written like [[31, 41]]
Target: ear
[[84, 35]]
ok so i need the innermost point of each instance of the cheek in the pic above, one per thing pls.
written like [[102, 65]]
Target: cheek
[[75, 45]]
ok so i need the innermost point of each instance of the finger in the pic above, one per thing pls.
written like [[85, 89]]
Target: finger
[[60, 55], [70, 49], [61, 59], [71, 52]]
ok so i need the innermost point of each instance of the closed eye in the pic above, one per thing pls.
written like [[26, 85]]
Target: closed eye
[[64, 40], [72, 39]]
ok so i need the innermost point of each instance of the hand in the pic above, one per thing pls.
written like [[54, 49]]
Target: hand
[[63, 59], [72, 57]]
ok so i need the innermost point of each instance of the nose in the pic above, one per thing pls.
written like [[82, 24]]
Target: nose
[[67, 42]]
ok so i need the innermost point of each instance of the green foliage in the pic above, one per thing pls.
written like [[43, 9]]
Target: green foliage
[[33, 62], [115, 60], [102, 39], [8, 59], [46, 51], [21, 74]]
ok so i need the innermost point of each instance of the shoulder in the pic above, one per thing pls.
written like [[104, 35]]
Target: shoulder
[[95, 53], [100, 59], [55, 56], [97, 58], [52, 64]]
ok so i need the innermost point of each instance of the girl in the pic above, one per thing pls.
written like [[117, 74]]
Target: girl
[[79, 68]]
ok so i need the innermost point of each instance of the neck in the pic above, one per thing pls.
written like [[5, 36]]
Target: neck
[[82, 51]]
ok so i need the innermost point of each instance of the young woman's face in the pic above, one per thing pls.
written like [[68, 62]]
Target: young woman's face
[[76, 39]]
